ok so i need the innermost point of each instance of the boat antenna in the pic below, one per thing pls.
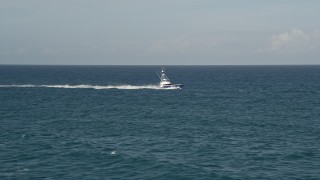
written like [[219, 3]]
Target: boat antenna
[[163, 69], [157, 74]]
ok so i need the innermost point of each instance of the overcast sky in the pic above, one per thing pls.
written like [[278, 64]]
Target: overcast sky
[[160, 32]]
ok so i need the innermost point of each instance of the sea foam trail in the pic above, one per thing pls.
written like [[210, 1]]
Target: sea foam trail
[[129, 87]]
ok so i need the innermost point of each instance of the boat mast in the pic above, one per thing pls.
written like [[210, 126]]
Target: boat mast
[[164, 77]]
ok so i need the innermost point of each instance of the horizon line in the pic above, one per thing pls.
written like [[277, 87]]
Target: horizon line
[[159, 65]]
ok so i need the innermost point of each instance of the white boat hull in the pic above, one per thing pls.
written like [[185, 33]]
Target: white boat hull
[[178, 86]]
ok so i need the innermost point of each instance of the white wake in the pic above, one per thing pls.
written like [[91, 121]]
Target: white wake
[[129, 87]]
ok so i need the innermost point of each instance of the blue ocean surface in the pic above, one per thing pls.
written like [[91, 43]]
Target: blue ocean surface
[[113, 122]]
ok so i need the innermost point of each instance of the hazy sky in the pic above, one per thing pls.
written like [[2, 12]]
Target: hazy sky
[[161, 32]]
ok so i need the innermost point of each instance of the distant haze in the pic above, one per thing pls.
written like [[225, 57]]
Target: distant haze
[[160, 32]]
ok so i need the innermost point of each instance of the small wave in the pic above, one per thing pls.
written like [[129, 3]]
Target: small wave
[[129, 87]]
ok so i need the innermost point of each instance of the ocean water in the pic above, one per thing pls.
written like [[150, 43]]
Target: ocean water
[[113, 122]]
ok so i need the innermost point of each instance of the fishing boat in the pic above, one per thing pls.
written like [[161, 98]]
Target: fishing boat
[[166, 83]]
